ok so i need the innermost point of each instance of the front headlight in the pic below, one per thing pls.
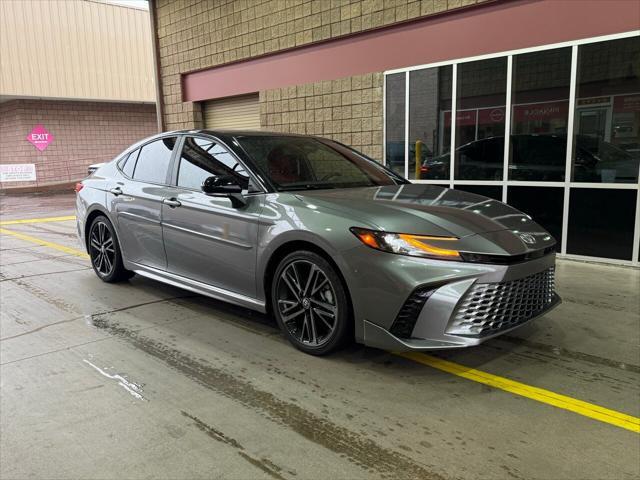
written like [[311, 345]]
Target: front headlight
[[405, 244]]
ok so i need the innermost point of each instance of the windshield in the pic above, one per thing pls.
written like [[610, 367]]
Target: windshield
[[305, 163]]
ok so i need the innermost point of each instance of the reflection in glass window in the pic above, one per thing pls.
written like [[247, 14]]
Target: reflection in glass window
[[539, 115], [607, 116], [480, 114], [203, 158], [153, 161], [491, 191], [601, 222], [543, 204], [395, 128], [429, 133]]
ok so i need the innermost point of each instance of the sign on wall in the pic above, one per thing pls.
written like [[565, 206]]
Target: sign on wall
[[39, 137], [18, 172]]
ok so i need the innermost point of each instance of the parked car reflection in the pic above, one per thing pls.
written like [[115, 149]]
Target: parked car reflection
[[537, 158]]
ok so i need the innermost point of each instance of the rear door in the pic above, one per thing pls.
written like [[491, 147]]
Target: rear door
[[206, 238], [137, 202]]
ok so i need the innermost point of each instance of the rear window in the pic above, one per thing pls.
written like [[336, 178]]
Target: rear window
[[153, 161]]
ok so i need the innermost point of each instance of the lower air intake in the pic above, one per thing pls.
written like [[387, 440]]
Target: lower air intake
[[489, 308]]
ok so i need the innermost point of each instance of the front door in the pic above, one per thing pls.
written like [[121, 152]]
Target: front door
[[206, 238]]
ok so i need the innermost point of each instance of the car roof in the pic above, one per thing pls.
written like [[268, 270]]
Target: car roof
[[239, 133]]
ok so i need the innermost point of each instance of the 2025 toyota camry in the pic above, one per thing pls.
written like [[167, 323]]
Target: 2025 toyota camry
[[334, 244]]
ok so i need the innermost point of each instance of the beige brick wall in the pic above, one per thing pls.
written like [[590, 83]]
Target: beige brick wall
[[197, 34], [348, 110]]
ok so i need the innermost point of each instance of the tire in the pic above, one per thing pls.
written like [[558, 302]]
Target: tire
[[314, 313], [104, 250]]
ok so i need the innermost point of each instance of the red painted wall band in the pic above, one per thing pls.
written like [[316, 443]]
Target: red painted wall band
[[492, 28]]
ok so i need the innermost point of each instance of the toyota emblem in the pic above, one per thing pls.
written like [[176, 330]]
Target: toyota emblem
[[527, 238]]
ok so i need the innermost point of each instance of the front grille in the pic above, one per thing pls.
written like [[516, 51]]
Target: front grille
[[489, 308]]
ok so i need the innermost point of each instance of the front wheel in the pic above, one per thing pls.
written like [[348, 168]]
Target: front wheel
[[104, 251], [310, 303]]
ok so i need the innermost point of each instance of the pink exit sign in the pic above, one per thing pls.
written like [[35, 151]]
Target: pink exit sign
[[40, 137]]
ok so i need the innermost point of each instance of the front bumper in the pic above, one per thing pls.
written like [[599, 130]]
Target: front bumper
[[466, 303]]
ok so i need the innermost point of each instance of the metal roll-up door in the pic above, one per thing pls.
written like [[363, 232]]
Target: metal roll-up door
[[234, 113]]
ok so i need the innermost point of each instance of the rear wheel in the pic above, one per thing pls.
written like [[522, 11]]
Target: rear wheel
[[310, 303], [104, 251]]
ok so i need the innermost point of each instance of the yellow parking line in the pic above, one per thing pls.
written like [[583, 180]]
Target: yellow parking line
[[586, 409], [590, 410], [45, 243], [38, 220]]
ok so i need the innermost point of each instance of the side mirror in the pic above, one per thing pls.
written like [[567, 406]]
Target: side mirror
[[224, 186]]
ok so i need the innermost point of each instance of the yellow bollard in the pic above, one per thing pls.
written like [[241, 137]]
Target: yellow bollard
[[418, 156]]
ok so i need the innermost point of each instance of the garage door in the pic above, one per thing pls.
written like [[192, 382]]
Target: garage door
[[233, 113]]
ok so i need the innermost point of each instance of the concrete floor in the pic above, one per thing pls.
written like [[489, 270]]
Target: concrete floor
[[142, 380]]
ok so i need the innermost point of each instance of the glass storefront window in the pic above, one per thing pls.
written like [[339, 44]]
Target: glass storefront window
[[429, 133], [480, 116], [601, 222], [607, 112], [539, 115], [491, 191], [395, 128]]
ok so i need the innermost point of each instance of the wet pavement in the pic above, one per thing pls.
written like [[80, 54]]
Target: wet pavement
[[140, 380]]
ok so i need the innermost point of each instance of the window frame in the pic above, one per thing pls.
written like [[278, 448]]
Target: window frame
[[568, 182]]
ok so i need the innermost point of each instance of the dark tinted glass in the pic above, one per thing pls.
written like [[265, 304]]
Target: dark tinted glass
[[129, 164], [429, 137], [601, 222], [491, 191], [543, 204], [607, 116], [480, 114], [395, 128], [203, 158], [540, 96], [302, 163], [153, 161]]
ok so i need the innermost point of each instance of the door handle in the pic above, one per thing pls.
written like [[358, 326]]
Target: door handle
[[116, 191], [172, 202]]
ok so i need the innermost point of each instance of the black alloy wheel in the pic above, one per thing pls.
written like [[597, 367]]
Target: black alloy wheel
[[104, 251], [310, 303]]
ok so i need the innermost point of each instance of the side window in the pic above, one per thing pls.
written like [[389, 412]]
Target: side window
[[130, 163], [153, 161], [202, 158]]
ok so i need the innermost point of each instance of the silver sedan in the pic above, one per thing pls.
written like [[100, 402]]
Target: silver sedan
[[334, 245]]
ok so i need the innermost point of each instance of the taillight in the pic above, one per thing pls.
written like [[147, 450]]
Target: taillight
[[79, 186]]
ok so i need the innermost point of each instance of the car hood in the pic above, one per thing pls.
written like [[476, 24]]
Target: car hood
[[432, 210]]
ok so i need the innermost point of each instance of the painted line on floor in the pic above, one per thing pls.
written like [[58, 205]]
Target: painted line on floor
[[590, 410], [38, 220], [586, 409], [45, 243]]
